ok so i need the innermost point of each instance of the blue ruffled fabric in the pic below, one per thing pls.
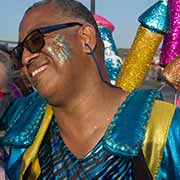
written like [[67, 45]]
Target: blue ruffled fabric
[[58, 162], [23, 120], [21, 129], [170, 164], [118, 139], [126, 133]]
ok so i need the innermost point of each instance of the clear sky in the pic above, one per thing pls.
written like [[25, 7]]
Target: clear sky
[[122, 13]]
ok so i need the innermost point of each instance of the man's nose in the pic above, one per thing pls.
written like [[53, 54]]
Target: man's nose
[[27, 57]]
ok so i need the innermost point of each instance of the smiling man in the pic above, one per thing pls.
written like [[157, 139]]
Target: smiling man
[[76, 125]]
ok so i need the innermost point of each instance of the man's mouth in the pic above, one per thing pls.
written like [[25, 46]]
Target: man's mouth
[[39, 70]]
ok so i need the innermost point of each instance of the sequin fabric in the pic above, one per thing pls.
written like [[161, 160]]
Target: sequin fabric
[[156, 18], [171, 44], [139, 59], [57, 162], [113, 62], [171, 73], [22, 134], [130, 124], [154, 23], [103, 161]]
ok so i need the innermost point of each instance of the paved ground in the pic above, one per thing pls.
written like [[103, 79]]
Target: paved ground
[[167, 92]]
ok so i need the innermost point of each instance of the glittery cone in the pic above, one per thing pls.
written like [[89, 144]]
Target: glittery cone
[[156, 18], [154, 22], [171, 43], [171, 73], [113, 62]]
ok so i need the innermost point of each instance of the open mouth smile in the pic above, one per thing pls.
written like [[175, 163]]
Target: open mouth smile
[[39, 70]]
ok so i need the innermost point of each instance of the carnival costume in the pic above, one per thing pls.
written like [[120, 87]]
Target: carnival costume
[[142, 121], [35, 145]]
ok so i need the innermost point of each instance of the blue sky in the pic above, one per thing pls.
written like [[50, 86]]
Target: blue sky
[[123, 14]]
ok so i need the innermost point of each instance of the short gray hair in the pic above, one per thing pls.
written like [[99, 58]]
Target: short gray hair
[[70, 8]]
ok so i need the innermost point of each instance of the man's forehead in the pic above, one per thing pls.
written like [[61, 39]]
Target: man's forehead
[[37, 18], [34, 17]]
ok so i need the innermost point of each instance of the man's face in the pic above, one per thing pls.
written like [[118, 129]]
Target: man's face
[[51, 70]]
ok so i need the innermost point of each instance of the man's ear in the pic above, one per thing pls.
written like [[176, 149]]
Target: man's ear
[[88, 37]]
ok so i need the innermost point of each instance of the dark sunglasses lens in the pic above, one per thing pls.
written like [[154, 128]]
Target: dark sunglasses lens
[[34, 42], [17, 52]]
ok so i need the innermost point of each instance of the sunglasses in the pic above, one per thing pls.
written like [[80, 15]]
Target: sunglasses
[[34, 41]]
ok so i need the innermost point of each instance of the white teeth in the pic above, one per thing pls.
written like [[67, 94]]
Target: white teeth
[[34, 73]]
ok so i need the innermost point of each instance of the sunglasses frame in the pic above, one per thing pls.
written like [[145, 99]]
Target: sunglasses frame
[[41, 31]]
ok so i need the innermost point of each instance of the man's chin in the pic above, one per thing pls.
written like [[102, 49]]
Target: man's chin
[[43, 92]]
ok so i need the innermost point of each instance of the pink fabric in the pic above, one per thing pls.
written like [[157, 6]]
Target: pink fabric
[[101, 21], [178, 101]]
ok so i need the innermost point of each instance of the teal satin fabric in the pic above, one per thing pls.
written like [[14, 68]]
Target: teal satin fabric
[[23, 120], [13, 163], [119, 142], [25, 115], [21, 123], [125, 135], [58, 162], [170, 164]]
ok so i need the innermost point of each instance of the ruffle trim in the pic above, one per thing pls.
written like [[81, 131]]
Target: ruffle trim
[[125, 135]]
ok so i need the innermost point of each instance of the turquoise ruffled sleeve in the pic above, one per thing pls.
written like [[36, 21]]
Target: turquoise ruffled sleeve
[[22, 122], [125, 135]]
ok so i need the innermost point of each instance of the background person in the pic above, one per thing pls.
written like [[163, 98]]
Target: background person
[[6, 96]]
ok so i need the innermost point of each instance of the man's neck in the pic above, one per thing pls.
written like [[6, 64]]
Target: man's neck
[[89, 110], [83, 123]]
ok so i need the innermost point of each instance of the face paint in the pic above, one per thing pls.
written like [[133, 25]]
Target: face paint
[[60, 49]]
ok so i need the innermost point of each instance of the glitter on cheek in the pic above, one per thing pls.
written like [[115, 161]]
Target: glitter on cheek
[[60, 49]]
